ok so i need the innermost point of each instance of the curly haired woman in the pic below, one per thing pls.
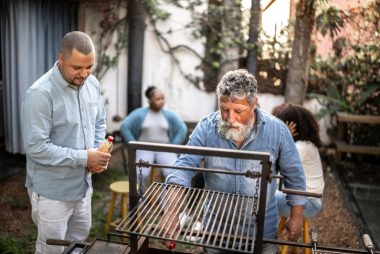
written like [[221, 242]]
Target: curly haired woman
[[305, 131]]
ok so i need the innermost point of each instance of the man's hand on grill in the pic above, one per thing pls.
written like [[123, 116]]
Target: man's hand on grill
[[170, 228], [169, 222], [293, 226]]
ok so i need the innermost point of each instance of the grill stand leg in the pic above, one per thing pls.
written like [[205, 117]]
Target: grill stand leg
[[139, 245]]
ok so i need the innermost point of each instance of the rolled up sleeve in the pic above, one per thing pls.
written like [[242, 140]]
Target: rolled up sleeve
[[291, 168], [183, 177]]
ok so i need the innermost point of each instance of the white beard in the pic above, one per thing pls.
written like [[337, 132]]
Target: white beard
[[238, 133]]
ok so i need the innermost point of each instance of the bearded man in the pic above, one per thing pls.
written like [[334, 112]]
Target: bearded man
[[241, 125]]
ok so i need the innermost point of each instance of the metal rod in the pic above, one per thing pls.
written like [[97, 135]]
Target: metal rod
[[230, 196], [244, 223], [172, 212], [209, 219], [221, 219], [320, 247], [157, 209], [200, 207], [184, 213], [232, 222], [301, 193], [206, 227], [142, 210], [238, 222], [252, 174], [133, 199], [206, 151], [260, 218], [250, 212], [184, 205], [294, 192]]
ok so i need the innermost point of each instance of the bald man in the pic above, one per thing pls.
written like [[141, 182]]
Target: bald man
[[63, 122]]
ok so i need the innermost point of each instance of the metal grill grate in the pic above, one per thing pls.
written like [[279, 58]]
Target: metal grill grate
[[231, 230], [326, 252]]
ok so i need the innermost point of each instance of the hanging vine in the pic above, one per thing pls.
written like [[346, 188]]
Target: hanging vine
[[156, 14], [112, 38], [217, 23], [219, 38]]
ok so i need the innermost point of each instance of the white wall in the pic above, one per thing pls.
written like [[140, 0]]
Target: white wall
[[114, 82], [160, 69]]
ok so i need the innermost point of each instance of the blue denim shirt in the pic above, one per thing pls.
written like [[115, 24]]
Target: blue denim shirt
[[270, 135], [59, 124]]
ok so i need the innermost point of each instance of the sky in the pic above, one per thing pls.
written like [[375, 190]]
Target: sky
[[275, 17]]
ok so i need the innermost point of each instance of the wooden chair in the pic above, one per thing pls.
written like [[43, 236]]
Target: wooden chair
[[117, 188]]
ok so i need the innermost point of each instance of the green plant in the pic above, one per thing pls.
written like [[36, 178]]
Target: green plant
[[12, 245], [112, 36], [97, 228], [349, 80], [100, 196], [351, 83], [330, 20]]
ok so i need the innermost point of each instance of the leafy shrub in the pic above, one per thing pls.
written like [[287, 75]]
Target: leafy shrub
[[351, 83], [12, 245], [349, 80]]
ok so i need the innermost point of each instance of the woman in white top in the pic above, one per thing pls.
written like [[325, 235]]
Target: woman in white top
[[305, 131]]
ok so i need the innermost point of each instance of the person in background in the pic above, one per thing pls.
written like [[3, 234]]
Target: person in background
[[154, 124], [63, 123], [240, 124], [305, 131]]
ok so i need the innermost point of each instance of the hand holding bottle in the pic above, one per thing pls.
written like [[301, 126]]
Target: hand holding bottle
[[107, 145], [98, 159]]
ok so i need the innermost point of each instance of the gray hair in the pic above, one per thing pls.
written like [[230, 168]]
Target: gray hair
[[77, 40], [238, 84]]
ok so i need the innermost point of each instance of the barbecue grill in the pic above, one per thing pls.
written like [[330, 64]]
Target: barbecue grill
[[232, 232]]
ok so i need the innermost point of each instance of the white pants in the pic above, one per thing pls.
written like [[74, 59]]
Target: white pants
[[155, 157], [65, 220]]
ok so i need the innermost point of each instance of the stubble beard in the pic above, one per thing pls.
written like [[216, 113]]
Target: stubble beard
[[75, 84]]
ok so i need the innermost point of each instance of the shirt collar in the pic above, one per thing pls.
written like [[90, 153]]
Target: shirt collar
[[255, 128], [259, 117]]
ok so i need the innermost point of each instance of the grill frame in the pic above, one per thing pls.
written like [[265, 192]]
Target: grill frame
[[133, 146]]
